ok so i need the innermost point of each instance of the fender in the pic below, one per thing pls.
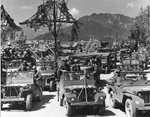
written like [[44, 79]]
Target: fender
[[100, 96], [138, 101], [71, 97]]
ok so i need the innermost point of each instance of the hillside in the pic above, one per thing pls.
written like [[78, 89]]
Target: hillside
[[100, 26]]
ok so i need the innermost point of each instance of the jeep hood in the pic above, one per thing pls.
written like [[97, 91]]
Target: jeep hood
[[48, 73], [135, 89], [78, 87], [78, 83]]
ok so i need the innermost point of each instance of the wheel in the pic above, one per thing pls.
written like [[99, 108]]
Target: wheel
[[58, 95], [29, 102], [106, 70], [52, 86], [101, 109], [130, 108], [145, 65], [69, 110], [112, 99], [40, 96], [61, 101], [1, 102], [1, 105]]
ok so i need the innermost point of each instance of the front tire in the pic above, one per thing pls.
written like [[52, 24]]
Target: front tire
[[112, 99], [40, 96], [130, 108], [52, 86], [101, 109], [29, 102], [61, 101], [1, 105], [69, 110], [106, 70], [58, 94]]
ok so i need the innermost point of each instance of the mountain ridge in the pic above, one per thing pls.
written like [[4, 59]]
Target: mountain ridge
[[103, 26]]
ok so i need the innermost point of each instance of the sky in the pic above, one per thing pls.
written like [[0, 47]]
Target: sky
[[20, 10]]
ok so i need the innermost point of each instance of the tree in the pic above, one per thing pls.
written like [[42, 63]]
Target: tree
[[139, 31]]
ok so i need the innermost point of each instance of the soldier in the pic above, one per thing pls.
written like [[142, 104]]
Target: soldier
[[36, 73], [96, 72], [23, 66], [65, 66]]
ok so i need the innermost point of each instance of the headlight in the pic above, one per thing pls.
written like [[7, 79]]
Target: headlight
[[101, 97], [139, 94], [94, 91], [68, 90], [74, 91], [72, 99], [21, 89], [3, 90]]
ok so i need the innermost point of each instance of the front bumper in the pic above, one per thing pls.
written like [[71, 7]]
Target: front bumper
[[145, 108], [87, 103], [12, 100]]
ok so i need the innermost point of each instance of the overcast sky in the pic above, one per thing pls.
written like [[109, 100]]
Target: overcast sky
[[20, 10]]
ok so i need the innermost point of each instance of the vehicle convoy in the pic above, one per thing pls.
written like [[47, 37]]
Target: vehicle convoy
[[76, 90], [46, 69], [130, 89], [107, 60], [21, 87]]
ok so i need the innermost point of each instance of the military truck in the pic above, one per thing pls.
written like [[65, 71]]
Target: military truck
[[77, 90], [130, 89], [21, 87]]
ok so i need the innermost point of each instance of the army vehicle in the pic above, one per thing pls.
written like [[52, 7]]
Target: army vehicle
[[130, 89], [46, 69], [106, 62], [21, 87], [110, 54], [76, 90], [130, 64]]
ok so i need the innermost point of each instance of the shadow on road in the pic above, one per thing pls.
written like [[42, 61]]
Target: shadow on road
[[139, 113], [147, 114], [42, 104], [36, 105], [88, 112]]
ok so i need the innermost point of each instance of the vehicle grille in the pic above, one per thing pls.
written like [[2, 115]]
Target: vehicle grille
[[12, 91], [81, 94], [146, 97]]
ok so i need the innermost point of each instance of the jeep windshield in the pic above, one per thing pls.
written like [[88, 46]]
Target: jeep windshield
[[13, 65], [70, 76], [19, 78], [78, 78], [135, 77], [131, 76], [45, 65]]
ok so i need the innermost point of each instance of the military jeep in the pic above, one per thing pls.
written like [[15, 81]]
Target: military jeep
[[46, 69], [21, 87], [130, 89], [76, 90], [130, 64]]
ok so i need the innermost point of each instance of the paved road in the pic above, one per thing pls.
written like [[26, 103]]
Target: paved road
[[49, 107]]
